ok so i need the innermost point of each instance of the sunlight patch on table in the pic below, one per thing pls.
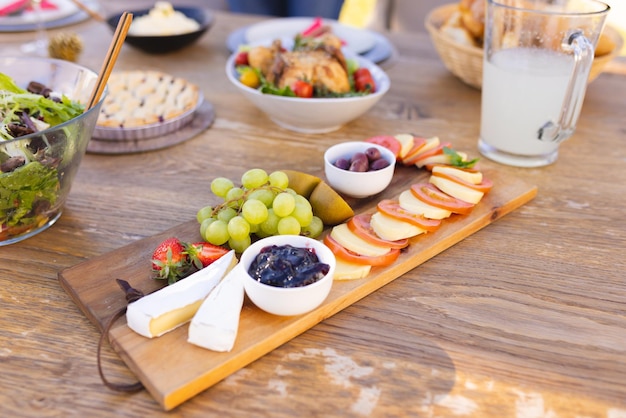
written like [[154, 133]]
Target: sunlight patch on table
[[457, 404], [368, 398], [279, 386], [616, 413], [531, 405]]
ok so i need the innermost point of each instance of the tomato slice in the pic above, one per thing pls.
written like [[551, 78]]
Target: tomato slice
[[360, 226], [484, 186], [434, 151], [393, 209], [347, 255], [387, 141], [431, 195]]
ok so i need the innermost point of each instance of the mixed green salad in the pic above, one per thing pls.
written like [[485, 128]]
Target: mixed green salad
[[29, 167]]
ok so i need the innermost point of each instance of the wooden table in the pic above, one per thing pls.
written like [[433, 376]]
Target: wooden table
[[524, 318]]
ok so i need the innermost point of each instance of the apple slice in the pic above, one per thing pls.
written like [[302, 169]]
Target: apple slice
[[345, 270], [392, 229], [411, 203], [349, 240]]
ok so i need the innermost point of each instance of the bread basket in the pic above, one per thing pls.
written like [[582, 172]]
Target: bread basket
[[466, 62]]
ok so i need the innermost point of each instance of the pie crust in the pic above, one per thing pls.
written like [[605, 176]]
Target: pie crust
[[138, 99]]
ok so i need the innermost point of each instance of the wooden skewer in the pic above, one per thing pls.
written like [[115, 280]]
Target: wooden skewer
[[109, 62], [95, 15]]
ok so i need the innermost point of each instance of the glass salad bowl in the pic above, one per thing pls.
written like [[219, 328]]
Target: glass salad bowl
[[37, 168]]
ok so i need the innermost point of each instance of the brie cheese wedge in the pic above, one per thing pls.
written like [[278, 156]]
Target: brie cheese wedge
[[166, 309], [216, 323]]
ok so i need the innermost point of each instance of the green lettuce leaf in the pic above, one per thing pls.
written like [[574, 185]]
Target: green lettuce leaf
[[21, 188]]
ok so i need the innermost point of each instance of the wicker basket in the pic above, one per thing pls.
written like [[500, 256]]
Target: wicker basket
[[466, 62]]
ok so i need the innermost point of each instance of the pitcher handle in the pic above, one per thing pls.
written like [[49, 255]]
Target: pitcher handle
[[583, 53]]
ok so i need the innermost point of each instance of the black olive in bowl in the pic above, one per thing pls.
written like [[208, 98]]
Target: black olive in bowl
[[166, 43]]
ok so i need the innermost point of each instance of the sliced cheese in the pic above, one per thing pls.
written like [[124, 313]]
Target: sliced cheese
[[345, 270], [457, 190], [406, 143], [409, 202], [431, 143], [438, 159], [347, 239], [427, 144], [474, 177], [216, 323], [168, 308], [392, 229]]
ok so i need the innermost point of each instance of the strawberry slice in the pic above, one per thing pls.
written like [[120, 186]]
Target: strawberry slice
[[203, 254]]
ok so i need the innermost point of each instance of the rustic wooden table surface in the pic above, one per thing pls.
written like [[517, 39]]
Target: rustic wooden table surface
[[524, 318]]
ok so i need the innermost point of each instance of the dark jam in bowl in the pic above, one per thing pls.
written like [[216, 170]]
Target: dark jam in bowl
[[287, 266]]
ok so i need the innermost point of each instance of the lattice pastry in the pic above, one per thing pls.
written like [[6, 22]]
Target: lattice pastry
[[140, 98]]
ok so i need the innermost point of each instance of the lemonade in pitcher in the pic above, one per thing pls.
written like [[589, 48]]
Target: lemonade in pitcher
[[525, 90], [537, 58]]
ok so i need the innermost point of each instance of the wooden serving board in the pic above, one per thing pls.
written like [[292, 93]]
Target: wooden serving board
[[173, 370]]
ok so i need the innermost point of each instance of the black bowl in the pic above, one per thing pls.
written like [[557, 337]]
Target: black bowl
[[167, 43]]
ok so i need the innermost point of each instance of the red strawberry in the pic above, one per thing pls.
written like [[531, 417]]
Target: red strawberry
[[170, 261], [203, 253]]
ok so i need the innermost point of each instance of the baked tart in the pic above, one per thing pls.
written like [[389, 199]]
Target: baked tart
[[149, 102]]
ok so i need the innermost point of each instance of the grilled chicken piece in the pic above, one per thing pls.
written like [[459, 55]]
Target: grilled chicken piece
[[263, 57], [317, 60], [318, 67]]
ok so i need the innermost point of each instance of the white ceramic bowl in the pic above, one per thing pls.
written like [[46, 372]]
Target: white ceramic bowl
[[313, 115], [294, 300], [352, 183]]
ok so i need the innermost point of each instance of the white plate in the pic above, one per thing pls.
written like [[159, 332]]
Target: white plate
[[51, 10], [66, 14], [357, 40]]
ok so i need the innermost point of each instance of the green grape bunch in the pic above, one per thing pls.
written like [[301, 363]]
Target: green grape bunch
[[262, 206]]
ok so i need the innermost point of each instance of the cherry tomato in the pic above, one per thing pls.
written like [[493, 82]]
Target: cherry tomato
[[387, 141], [302, 88], [241, 58], [363, 80], [484, 186], [431, 195], [393, 209], [347, 255], [360, 226], [421, 155]]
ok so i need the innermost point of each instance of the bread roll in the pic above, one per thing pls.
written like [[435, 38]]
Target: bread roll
[[605, 45], [473, 17], [455, 30]]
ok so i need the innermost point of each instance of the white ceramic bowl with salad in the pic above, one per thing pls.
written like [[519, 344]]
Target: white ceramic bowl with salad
[[40, 153], [314, 115]]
